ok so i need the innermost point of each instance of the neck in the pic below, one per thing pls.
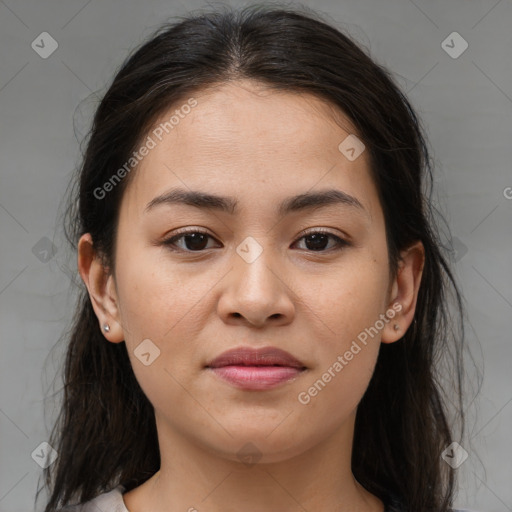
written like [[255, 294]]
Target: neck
[[194, 478]]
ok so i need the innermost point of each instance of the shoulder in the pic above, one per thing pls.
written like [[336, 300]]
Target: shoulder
[[111, 501]]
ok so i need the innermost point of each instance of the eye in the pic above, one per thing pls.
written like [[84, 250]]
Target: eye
[[317, 240], [196, 240]]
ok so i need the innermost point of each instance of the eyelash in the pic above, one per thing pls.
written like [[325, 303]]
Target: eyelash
[[169, 242]]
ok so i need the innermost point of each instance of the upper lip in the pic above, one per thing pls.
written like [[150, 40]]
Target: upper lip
[[247, 356]]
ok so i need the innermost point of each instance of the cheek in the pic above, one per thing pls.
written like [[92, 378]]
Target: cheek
[[155, 296], [344, 313], [166, 304], [346, 302], [161, 317], [346, 345], [331, 395]]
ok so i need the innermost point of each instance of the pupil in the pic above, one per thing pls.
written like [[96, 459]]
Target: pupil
[[316, 238], [197, 238]]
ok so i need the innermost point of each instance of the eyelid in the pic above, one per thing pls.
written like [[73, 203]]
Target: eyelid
[[326, 231]]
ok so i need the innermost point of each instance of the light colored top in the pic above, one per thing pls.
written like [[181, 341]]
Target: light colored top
[[112, 501]]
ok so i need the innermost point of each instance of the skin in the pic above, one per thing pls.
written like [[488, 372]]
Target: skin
[[259, 146]]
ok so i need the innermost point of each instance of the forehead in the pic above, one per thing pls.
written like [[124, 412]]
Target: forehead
[[259, 120], [242, 139]]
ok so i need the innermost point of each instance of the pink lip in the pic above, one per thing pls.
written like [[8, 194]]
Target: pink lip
[[256, 369], [256, 377]]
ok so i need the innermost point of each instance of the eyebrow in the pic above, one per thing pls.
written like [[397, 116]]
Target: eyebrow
[[304, 201]]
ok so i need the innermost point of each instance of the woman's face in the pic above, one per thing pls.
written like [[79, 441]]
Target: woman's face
[[260, 278]]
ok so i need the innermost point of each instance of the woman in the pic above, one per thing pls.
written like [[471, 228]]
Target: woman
[[265, 300]]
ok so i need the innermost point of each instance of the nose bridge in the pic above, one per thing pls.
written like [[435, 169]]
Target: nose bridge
[[256, 290], [253, 263]]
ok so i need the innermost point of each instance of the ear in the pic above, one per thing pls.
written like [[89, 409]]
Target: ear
[[101, 286], [404, 292]]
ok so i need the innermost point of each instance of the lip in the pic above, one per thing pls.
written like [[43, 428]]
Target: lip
[[256, 369]]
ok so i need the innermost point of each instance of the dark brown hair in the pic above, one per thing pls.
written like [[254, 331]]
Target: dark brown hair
[[105, 433]]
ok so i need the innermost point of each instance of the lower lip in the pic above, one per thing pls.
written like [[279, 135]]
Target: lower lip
[[256, 377]]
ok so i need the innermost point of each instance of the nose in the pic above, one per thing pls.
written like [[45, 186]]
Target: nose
[[256, 292]]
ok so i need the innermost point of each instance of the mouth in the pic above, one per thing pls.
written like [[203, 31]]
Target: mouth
[[256, 369]]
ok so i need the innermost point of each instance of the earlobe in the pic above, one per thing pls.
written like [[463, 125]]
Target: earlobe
[[404, 293], [101, 289]]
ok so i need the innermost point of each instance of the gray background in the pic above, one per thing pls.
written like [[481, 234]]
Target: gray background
[[466, 106]]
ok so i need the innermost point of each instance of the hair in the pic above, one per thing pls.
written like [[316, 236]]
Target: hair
[[105, 433]]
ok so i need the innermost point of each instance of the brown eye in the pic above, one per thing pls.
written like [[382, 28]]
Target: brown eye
[[194, 241], [318, 240], [197, 241]]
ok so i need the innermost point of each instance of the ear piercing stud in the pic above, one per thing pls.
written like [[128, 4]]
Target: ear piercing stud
[[396, 327]]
